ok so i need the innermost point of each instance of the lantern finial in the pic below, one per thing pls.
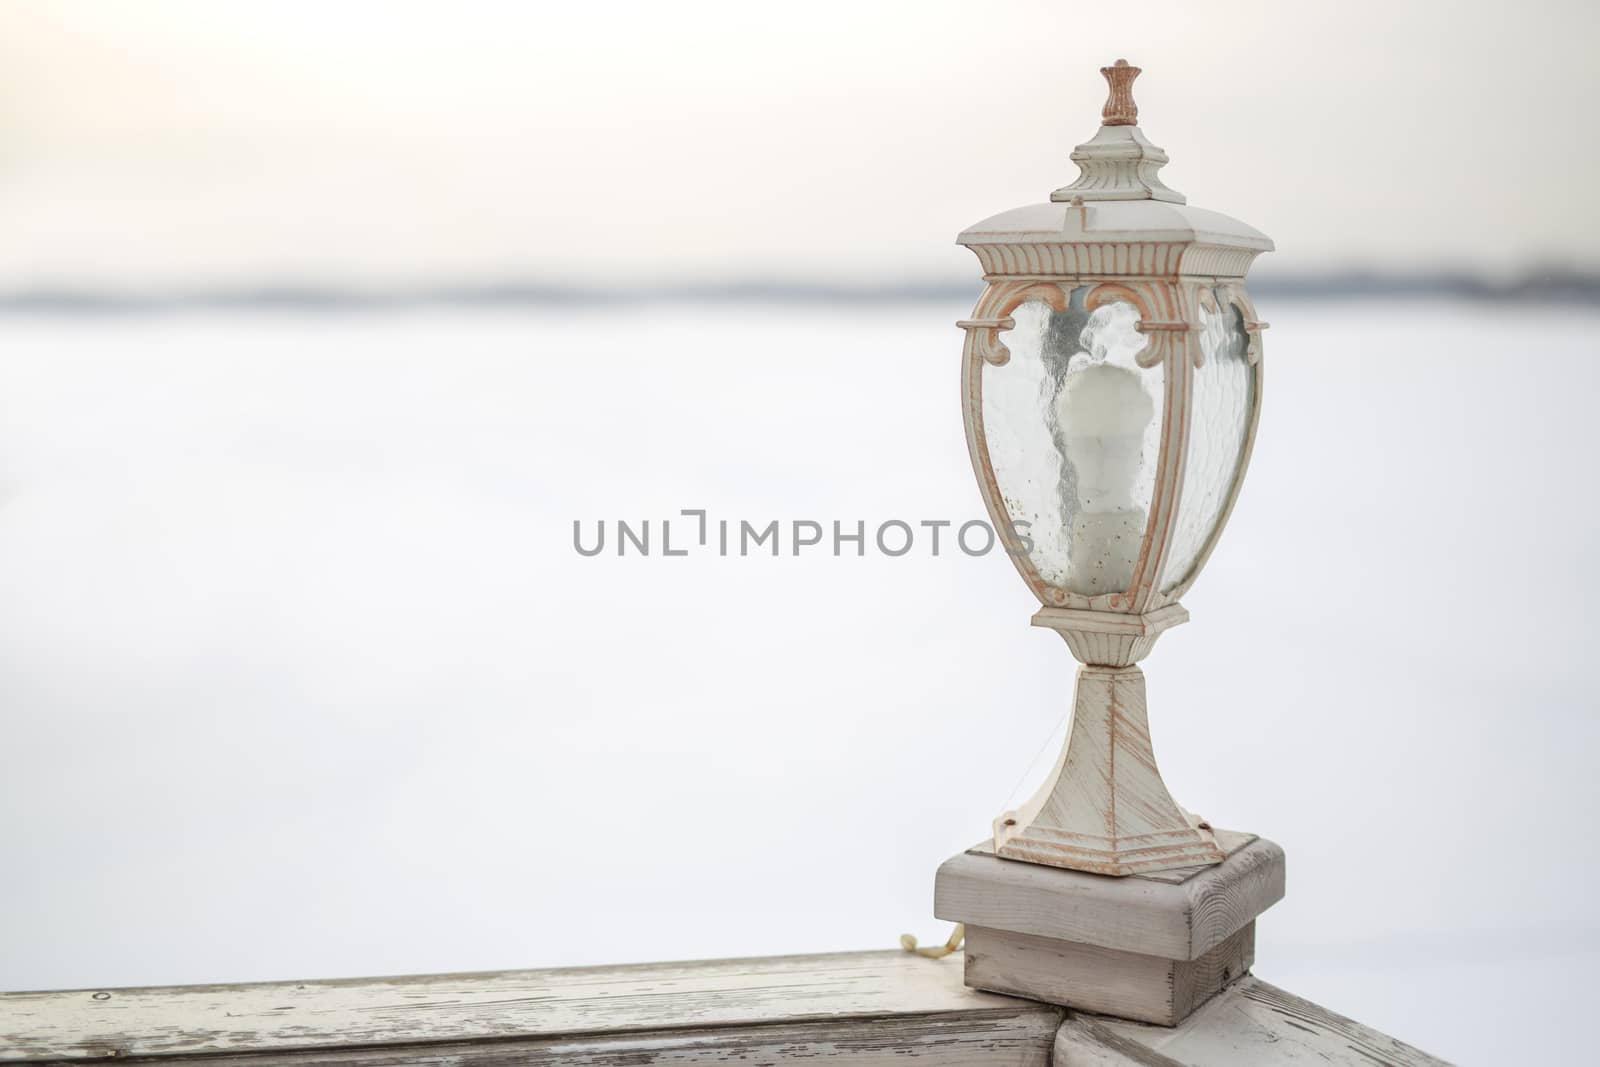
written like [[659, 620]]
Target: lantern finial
[[1119, 162], [1120, 110]]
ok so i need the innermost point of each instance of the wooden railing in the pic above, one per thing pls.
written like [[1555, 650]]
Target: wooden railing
[[867, 1008]]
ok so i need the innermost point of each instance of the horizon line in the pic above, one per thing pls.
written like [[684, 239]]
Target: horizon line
[[1546, 286]]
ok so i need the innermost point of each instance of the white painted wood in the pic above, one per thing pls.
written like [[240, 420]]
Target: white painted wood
[[870, 1008], [1250, 1024], [1089, 978], [1172, 914]]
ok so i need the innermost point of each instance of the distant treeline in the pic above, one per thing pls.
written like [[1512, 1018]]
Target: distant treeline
[[1553, 286]]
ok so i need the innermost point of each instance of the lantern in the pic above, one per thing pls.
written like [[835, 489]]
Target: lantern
[[1111, 382]]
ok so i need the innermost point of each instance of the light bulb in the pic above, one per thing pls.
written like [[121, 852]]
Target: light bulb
[[1103, 411]]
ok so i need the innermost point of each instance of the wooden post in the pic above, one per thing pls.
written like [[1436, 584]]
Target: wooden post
[[1151, 947]]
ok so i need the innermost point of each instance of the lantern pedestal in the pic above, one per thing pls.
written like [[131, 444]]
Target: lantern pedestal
[[1150, 947], [1104, 808]]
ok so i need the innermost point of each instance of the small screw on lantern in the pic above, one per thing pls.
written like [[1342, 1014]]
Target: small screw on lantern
[[1112, 382]]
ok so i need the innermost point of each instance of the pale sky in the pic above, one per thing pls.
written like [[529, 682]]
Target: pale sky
[[217, 141]]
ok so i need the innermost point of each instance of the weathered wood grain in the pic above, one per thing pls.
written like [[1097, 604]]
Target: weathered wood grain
[[1250, 1024], [870, 1009], [1089, 978], [1173, 914], [865, 1009]]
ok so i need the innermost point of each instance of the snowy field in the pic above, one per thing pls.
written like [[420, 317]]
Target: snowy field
[[302, 676]]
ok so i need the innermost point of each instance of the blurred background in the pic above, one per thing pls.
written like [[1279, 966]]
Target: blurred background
[[321, 323]]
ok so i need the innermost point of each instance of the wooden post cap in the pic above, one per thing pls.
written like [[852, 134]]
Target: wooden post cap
[[1151, 947], [1120, 110]]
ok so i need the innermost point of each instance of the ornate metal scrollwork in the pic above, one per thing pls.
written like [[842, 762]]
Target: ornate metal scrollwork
[[984, 336], [1252, 326]]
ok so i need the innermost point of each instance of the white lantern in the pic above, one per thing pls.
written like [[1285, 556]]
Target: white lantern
[[1112, 381]]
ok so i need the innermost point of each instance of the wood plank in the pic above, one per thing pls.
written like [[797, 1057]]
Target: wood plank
[[1090, 978], [1196, 981], [1023, 1040], [1250, 1024], [868, 1009], [1083, 1042]]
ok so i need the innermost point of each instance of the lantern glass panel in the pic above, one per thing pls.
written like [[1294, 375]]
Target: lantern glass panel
[[1072, 425], [1220, 406]]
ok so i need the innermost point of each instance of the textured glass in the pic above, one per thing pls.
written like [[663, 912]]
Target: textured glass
[[1224, 393], [1073, 427]]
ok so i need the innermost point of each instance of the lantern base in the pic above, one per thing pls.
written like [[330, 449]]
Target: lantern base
[[1104, 808], [1110, 638]]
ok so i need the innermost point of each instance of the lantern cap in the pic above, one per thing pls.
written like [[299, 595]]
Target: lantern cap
[[1118, 199], [1119, 162], [1113, 221]]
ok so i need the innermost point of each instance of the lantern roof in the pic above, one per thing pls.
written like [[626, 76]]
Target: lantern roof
[[1118, 217]]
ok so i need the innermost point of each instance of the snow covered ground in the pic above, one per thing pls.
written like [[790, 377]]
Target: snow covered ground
[[301, 675]]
